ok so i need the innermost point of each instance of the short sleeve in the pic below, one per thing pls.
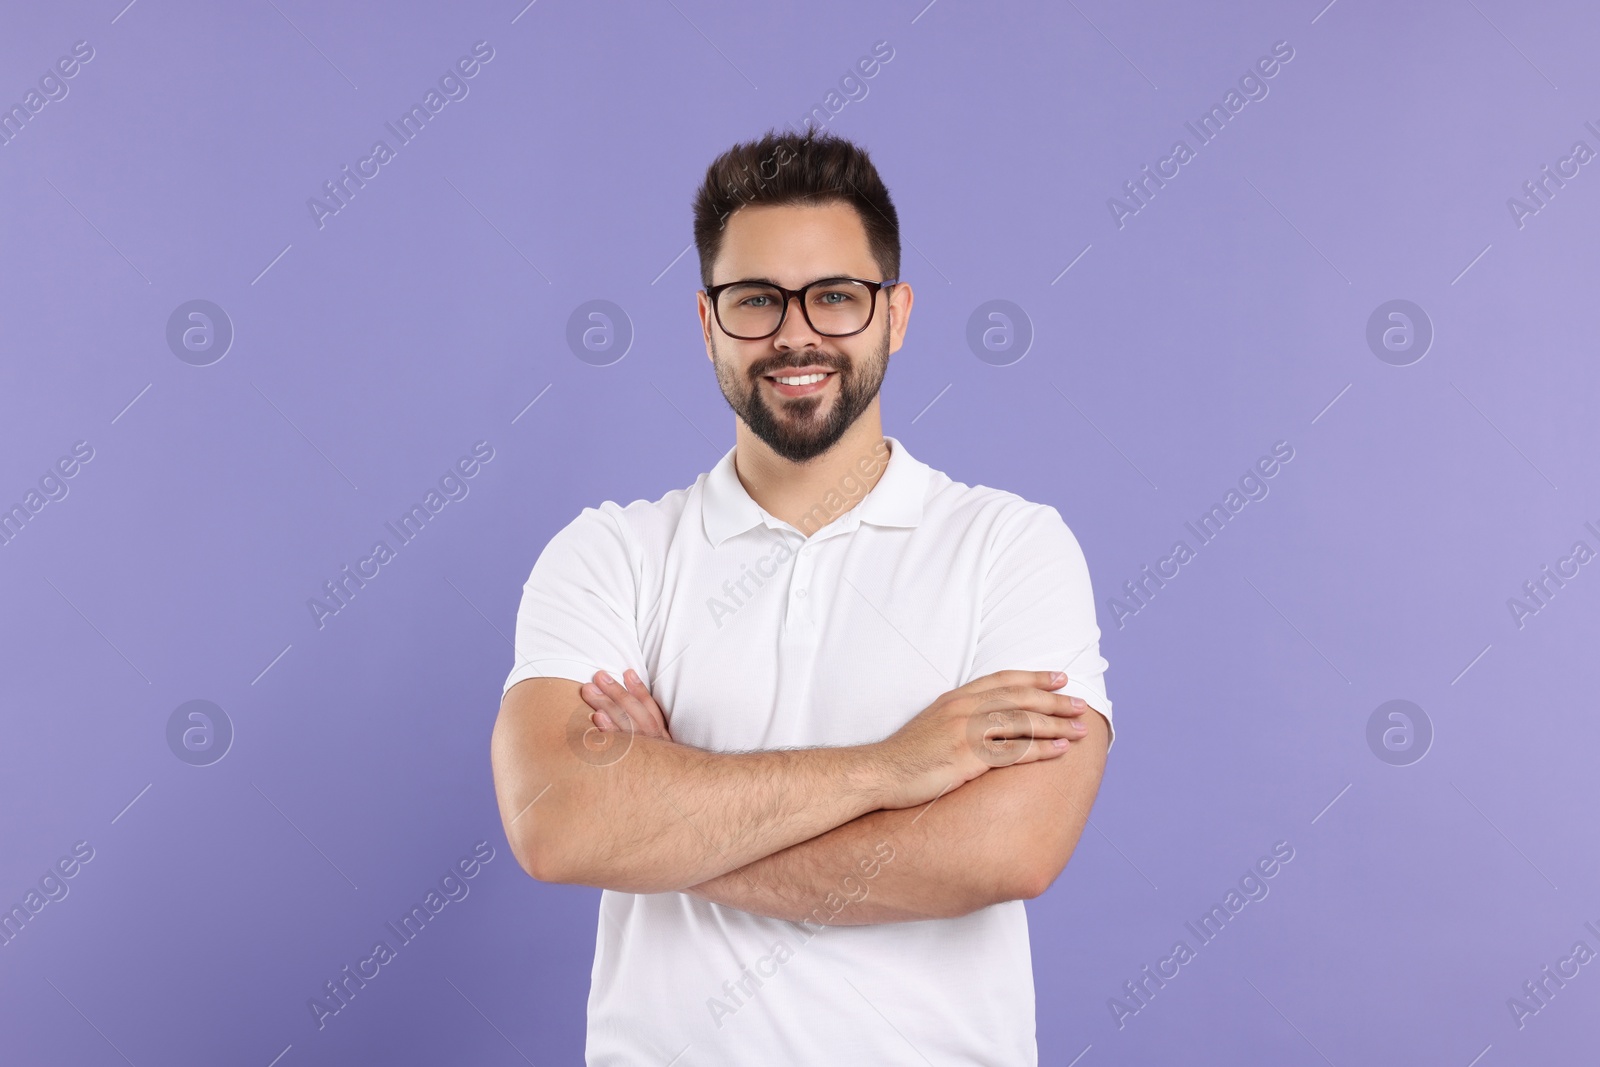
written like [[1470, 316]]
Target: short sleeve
[[1038, 608], [577, 614]]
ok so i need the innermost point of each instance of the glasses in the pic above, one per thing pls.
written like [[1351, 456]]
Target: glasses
[[833, 307]]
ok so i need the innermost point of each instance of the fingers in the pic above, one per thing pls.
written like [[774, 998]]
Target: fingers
[[1040, 749], [604, 712], [626, 707], [636, 686], [1010, 679], [1022, 725], [1016, 737], [1028, 698]]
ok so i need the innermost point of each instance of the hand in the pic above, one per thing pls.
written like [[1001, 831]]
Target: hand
[[999, 720], [618, 708]]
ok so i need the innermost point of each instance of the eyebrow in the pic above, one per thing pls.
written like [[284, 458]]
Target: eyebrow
[[769, 281]]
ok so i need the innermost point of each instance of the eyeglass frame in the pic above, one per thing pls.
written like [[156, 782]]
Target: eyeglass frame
[[712, 292]]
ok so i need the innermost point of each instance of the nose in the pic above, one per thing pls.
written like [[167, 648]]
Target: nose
[[795, 331]]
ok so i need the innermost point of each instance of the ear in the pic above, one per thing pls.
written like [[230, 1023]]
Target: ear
[[900, 300], [703, 307]]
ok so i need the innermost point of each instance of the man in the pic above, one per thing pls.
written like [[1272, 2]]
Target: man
[[805, 721]]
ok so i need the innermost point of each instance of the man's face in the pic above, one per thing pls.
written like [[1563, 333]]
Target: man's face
[[792, 245]]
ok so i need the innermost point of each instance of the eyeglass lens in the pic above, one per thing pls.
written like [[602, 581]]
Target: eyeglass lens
[[752, 310]]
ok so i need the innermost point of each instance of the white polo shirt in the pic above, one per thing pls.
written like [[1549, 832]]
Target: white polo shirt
[[752, 636]]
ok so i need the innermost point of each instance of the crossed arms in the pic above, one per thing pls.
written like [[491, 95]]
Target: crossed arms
[[924, 824]]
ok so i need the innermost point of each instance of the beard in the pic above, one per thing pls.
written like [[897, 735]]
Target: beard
[[798, 432]]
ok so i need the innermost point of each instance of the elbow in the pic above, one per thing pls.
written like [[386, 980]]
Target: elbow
[[537, 864], [540, 858], [543, 869], [1032, 882], [529, 858], [550, 858], [547, 865], [1006, 882]]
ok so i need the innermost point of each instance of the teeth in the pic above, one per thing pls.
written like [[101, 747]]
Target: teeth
[[804, 379]]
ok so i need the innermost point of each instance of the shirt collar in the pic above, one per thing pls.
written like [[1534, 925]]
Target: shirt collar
[[896, 500]]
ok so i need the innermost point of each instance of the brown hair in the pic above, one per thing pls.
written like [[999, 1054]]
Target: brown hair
[[791, 168]]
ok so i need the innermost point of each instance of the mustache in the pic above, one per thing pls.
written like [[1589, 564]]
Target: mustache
[[833, 363]]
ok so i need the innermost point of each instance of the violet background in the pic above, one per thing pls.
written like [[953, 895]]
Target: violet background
[[1227, 315]]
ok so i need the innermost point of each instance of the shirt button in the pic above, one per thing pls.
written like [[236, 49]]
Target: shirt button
[[801, 593]]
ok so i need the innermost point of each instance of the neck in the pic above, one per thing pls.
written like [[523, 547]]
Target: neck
[[810, 495]]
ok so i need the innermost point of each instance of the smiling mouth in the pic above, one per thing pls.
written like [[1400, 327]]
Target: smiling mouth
[[800, 384]]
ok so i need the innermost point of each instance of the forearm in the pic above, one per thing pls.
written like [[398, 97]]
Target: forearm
[[668, 816], [929, 862]]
